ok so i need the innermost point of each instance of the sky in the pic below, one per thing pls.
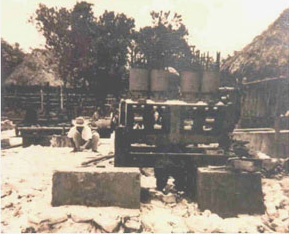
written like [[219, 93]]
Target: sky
[[213, 25]]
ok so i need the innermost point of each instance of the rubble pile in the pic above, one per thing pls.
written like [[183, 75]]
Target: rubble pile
[[172, 212], [184, 216], [26, 201], [30, 211], [7, 125], [84, 219], [276, 196], [272, 167], [269, 167]]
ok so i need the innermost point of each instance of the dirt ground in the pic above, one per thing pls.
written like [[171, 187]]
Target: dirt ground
[[26, 182]]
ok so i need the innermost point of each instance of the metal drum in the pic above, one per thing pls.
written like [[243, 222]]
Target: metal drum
[[210, 81], [139, 81], [190, 84], [159, 84], [173, 86], [159, 80]]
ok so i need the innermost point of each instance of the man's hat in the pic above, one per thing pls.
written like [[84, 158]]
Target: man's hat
[[79, 122]]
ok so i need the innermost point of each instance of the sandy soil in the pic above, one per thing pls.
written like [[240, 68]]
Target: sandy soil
[[26, 196]]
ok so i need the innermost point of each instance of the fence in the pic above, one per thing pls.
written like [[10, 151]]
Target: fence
[[51, 103]]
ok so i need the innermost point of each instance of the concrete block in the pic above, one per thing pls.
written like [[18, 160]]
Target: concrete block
[[99, 187], [229, 193], [11, 142], [266, 142]]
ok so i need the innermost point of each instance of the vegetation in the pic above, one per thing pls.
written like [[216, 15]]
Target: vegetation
[[37, 68], [11, 57], [91, 52], [164, 43], [96, 52]]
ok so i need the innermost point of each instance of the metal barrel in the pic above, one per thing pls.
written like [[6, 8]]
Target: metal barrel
[[190, 83], [210, 81], [159, 80], [173, 86], [139, 80]]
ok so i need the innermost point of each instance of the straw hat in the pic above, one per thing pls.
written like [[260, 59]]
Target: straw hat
[[79, 122]]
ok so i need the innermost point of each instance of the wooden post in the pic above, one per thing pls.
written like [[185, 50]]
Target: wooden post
[[277, 118], [41, 99], [47, 108], [61, 98]]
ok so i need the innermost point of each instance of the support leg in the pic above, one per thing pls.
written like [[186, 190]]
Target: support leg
[[161, 177]]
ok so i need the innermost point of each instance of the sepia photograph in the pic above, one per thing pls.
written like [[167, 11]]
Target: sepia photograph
[[144, 116]]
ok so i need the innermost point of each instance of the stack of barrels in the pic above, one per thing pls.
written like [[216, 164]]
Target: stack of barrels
[[148, 84], [155, 84]]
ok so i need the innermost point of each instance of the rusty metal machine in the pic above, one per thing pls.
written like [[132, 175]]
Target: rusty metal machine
[[175, 136]]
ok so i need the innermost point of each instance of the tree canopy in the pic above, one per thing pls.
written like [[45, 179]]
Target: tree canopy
[[89, 50], [97, 52], [164, 43], [11, 57]]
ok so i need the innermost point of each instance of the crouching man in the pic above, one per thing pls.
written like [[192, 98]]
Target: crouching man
[[82, 137]]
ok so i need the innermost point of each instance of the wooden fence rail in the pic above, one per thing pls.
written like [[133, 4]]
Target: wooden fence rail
[[50, 102]]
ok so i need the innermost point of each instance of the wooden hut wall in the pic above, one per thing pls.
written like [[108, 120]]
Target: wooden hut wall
[[263, 102]]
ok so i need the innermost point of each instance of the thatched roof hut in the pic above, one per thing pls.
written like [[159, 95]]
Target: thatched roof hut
[[37, 68], [266, 56]]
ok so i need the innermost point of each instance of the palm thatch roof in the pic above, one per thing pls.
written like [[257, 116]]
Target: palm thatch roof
[[266, 56], [37, 68]]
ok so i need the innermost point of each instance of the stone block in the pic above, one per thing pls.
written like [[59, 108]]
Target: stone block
[[229, 193], [132, 224], [266, 142], [98, 187], [11, 142]]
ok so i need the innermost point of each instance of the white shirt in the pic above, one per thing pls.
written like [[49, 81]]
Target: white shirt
[[86, 133]]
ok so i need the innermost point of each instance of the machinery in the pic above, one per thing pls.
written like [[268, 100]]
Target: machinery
[[175, 136]]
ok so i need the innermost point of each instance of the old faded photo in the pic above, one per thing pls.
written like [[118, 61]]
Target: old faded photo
[[148, 116]]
